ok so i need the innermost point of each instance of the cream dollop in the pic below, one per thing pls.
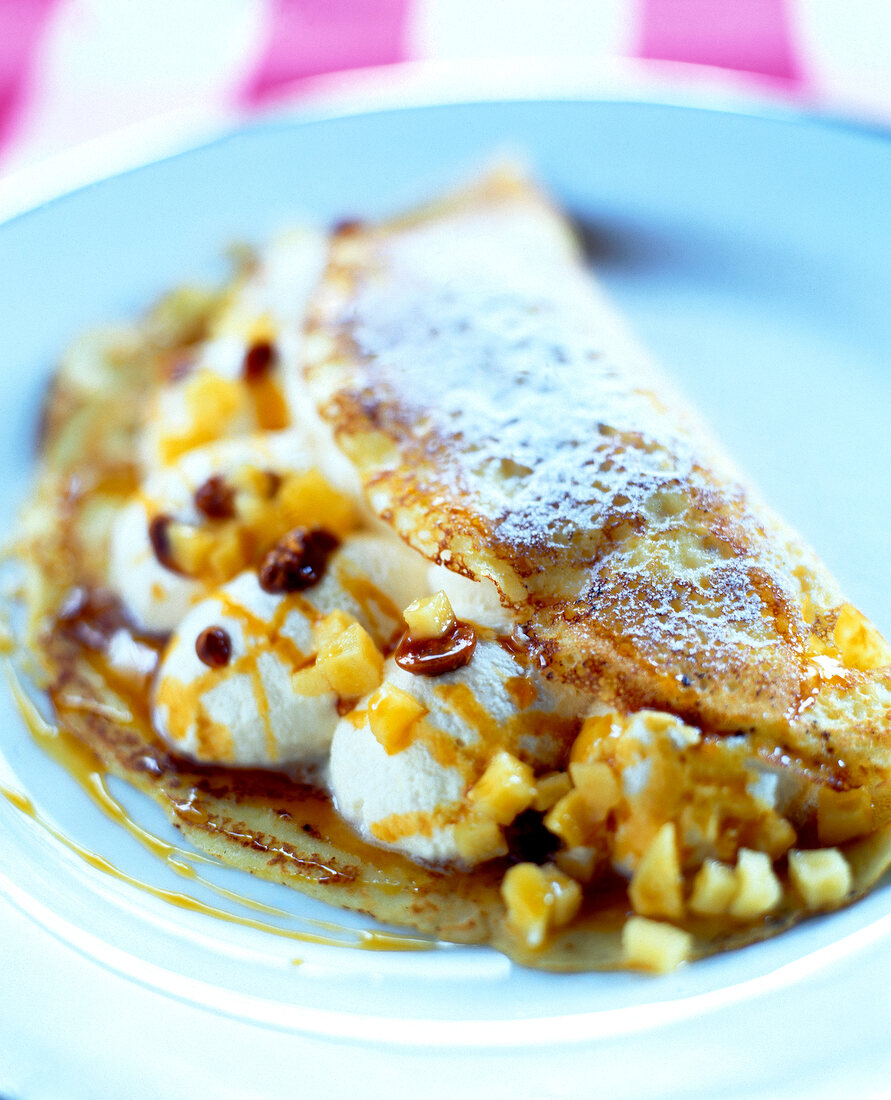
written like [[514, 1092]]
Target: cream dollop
[[414, 800], [156, 596], [252, 710]]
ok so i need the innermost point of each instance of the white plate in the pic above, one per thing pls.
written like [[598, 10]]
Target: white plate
[[751, 254]]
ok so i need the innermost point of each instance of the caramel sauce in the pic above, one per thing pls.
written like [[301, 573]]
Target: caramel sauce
[[436, 656], [377, 941], [214, 499], [90, 774], [522, 690], [374, 603], [297, 561], [213, 647], [516, 644], [270, 407], [184, 701]]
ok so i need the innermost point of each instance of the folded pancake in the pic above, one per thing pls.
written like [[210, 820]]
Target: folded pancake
[[507, 427], [667, 710]]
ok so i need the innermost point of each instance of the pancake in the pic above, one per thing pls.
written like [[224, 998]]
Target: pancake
[[506, 425], [713, 759]]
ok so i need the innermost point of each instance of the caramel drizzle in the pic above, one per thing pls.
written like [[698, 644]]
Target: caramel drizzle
[[375, 605], [90, 775], [270, 410], [262, 636]]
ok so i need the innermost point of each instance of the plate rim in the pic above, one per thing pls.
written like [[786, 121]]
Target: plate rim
[[288, 120], [52, 179]]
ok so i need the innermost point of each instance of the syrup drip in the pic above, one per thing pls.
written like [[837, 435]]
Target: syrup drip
[[88, 772]]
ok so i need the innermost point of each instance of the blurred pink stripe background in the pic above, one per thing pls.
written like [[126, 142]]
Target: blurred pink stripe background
[[750, 35], [21, 25], [312, 37], [72, 71]]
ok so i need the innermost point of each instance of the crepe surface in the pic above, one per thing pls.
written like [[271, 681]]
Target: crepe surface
[[505, 425]]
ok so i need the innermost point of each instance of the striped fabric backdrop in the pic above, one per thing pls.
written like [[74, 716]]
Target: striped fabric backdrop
[[75, 70]]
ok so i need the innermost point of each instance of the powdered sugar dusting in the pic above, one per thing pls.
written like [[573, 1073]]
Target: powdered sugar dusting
[[538, 445], [524, 383]]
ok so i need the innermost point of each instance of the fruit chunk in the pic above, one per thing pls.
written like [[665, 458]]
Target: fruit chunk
[[821, 876], [861, 645], [430, 617], [758, 889], [842, 815], [593, 731], [656, 888], [506, 788], [549, 789], [579, 863], [651, 945], [576, 816], [479, 838], [351, 663], [714, 888], [392, 713], [325, 630], [539, 899], [309, 681]]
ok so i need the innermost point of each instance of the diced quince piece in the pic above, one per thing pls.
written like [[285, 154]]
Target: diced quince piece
[[549, 789], [392, 713], [842, 815], [309, 681], [822, 876], [599, 786], [430, 617], [774, 835], [861, 645], [587, 744], [190, 548], [310, 500], [650, 945], [326, 630], [658, 721], [226, 556], [713, 888], [568, 819], [478, 838], [579, 863], [566, 893], [538, 900], [577, 815], [351, 663], [505, 788], [250, 482], [212, 402], [758, 890], [656, 889]]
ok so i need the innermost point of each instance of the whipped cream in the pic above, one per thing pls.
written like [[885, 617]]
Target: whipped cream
[[263, 703], [251, 711], [474, 601], [267, 305], [157, 597], [413, 800]]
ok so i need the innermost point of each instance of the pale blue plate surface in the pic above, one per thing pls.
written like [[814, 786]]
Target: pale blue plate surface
[[751, 254]]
